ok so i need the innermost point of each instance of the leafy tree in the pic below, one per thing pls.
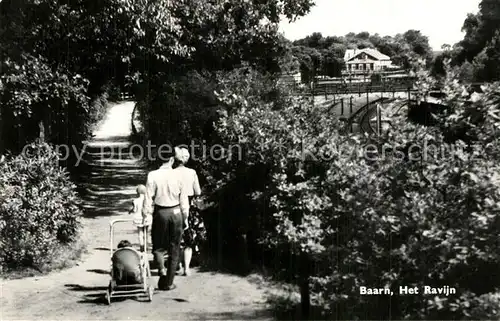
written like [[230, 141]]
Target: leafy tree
[[419, 43], [47, 73], [438, 64], [479, 45], [32, 95], [313, 41], [136, 43], [472, 43], [332, 65], [310, 60], [410, 46], [360, 40], [466, 72], [218, 36], [488, 60]]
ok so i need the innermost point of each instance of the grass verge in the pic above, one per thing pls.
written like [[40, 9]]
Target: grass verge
[[62, 257], [283, 299]]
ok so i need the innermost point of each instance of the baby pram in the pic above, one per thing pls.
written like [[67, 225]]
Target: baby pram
[[116, 288]]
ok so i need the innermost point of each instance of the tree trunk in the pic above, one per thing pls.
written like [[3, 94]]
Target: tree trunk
[[305, 295], [245, 262], [41, 136], [132, 123], [1, 133]]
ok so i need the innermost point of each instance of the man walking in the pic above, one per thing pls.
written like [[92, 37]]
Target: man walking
[[167, 199]]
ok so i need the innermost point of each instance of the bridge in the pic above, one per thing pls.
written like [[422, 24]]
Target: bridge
[[366, 107], [368, 112]]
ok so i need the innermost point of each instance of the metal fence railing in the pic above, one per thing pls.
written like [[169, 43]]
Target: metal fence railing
[[352, 87], [359, 88], [126, 96]]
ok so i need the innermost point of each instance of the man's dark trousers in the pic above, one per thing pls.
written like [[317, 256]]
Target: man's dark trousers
[[166, 233]]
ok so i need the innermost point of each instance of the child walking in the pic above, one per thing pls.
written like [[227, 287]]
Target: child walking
[[142, 223]]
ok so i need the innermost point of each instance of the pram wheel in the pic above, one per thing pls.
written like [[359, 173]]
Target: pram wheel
[[108, 292], [108, 298], [150, 293]]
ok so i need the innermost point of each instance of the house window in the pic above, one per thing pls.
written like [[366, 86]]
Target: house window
[[371, 66], [364, 66]]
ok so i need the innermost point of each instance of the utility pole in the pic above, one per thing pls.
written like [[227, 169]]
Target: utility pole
[[367, 98], [379, 120]]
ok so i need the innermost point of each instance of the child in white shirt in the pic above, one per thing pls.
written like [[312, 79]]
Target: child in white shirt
[[142, 223]]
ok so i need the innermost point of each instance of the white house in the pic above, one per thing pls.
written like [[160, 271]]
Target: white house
[[358, 61]]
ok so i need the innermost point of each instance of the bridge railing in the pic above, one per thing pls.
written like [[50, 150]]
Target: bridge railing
[[353, 112], [360, 87], [335, 88]]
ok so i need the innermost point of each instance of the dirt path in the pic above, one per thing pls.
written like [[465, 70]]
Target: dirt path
[[76, 293]]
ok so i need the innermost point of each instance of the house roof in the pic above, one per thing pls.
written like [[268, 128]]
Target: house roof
[[356, 61], [352, 53], [349, 53]]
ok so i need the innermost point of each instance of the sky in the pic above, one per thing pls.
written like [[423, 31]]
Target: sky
[[440, 20]]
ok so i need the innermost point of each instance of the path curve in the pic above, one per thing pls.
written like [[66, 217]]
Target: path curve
[[77, 293]]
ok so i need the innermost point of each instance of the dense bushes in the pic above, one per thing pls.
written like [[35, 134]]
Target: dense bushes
[[417, 206], [38, 207], [391, 223], [97, 111], [349, 211]]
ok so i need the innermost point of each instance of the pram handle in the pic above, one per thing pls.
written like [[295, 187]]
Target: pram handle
[[112, 222], [111, 226]]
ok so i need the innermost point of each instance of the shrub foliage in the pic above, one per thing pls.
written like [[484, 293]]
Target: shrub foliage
[[415, 206], [38, 207]]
